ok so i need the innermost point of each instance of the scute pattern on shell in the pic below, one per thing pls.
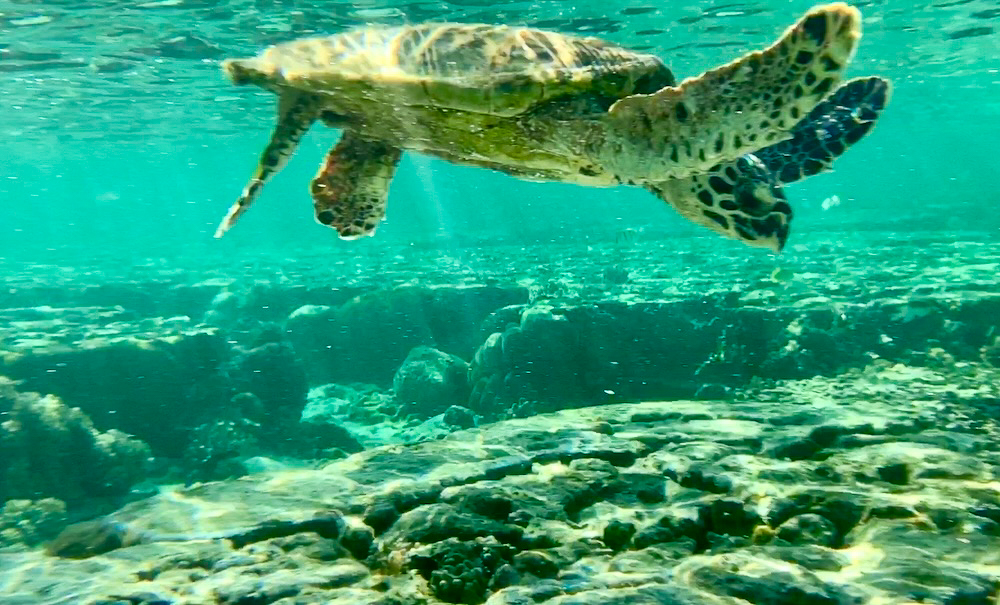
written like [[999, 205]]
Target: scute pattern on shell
[[494, 69]]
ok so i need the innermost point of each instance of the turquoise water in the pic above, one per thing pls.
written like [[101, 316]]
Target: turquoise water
[[515, 392], [120, 132]]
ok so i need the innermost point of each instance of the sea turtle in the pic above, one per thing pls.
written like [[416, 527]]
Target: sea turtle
[[553, 107]]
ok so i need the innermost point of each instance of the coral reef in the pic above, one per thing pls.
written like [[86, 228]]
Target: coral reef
[[543, 327], [461, 572], [825, 490], [369, 337], [273, 374], [153, 378], [48, 449], [675, 425], [595, 353], [216, 449], [26, 523]]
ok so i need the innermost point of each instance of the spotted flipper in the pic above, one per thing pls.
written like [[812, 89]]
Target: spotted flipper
[[739, 199], [734, 109], [743, 199], [351, 191], [296, 113], [829, 129]]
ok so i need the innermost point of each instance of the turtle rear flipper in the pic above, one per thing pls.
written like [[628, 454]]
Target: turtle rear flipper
[[351, 191], [829, 129], [739, 199], [296, 113], [735, 109]]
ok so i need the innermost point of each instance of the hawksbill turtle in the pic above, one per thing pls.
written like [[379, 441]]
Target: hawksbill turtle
[[546, 106]]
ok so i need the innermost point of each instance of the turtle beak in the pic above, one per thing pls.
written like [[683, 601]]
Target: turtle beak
[[245, 71]]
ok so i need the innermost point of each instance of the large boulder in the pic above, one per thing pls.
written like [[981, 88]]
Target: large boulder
[[429, 382]]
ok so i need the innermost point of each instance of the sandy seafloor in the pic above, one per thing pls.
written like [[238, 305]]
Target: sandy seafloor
[[630, 422]]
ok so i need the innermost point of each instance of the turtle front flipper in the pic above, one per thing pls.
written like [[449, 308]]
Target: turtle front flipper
[[735, 109], [739, 199], [296, 113], [351, 191], [829, 129]]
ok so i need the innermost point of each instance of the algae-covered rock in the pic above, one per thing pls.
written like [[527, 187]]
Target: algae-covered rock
[[458, 416], [274, 375], [153, 378], [460, 571], [215, 449], [429, 382], [90, 538], [647, 503], [31, 522], [48, 449], [367, 338], [586, 354]]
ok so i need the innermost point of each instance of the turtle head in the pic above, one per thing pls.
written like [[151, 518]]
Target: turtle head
[[248, 71]]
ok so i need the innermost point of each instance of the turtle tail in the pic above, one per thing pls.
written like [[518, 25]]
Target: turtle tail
[[296, 113], [828, 130]]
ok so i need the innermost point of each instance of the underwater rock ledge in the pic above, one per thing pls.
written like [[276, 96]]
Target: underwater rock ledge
[[826, 491], [48, 449], [842, 450]]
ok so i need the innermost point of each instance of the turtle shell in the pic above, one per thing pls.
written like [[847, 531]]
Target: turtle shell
[[489, 69]]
